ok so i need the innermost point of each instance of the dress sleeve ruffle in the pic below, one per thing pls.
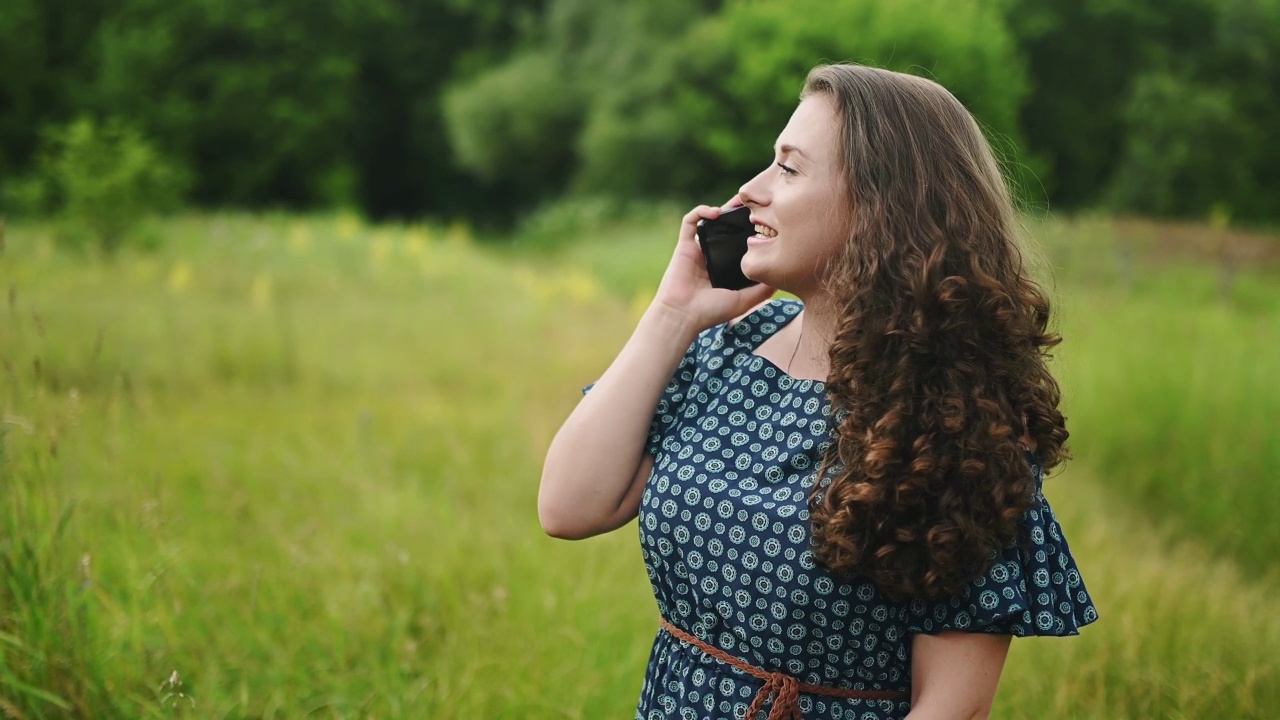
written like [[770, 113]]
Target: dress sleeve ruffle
[[674, 395], [1032, 588]]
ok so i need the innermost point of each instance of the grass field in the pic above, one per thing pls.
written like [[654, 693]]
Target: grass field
[[288, 467]]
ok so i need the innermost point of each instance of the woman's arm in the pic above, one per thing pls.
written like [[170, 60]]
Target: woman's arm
[[954, 675], [589, 473], [595, 469]]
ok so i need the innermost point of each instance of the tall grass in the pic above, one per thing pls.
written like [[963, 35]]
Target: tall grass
[[1181, 634], [288, 468], [1169, 367]]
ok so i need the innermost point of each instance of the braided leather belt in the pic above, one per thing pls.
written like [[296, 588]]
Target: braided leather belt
[[784, 689]]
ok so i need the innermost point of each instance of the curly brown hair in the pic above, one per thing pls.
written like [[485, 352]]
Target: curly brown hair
[[938, 365]]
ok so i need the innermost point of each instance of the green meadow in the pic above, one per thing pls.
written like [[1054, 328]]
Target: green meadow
[[287, 467]]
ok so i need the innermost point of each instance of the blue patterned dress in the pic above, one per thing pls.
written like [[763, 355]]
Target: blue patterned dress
[[724, 530]]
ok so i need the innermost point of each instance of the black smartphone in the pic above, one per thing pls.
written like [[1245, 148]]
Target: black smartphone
[[724, 242]]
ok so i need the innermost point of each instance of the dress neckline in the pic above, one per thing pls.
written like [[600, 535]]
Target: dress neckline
[[761, 324]]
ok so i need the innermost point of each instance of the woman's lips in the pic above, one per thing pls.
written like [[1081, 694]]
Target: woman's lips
[[764, 233]]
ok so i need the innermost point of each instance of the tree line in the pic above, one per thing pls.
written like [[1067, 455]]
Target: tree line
[[482, 110]]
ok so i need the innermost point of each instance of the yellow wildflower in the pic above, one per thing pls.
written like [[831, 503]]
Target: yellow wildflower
[[299, 239], [261, 293], [415, 244], [179, 277], [640, 302], [348, 227], [580, 286]]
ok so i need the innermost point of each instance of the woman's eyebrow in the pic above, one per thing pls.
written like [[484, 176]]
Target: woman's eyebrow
[[792, 149]]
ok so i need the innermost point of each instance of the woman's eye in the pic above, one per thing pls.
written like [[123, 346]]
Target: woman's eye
[[786, 170]]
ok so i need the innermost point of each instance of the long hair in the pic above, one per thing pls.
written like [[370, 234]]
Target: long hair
[[938, 365]]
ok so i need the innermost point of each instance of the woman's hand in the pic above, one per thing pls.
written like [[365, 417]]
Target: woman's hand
[[686, 291]]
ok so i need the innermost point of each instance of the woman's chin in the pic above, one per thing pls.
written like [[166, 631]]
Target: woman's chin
[[757, 277], [755, 272], [758, 270]]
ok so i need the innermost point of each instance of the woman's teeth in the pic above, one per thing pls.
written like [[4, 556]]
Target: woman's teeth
[[765, 231]]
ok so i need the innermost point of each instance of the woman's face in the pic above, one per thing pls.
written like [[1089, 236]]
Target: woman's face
[[799, 203]]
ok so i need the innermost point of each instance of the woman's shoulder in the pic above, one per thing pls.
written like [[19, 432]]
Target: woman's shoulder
[[770, 308]]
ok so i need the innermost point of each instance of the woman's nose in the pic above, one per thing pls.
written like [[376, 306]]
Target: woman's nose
[[753, 192]]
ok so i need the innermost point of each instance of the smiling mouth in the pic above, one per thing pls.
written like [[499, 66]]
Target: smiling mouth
[[766, 231]]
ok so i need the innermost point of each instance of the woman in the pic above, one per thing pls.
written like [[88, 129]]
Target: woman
[[839, 497]]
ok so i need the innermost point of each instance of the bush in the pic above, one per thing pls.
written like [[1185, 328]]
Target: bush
[[571, 109], [101, 180], [736, 77], [514, 126], [1154, 106], [1180, 136], [636, 140]]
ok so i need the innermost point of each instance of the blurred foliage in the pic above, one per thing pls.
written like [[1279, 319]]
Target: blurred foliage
[[1119, 83], [690, 107], [483, 110], [1180, 131], [562, 113], [514, 126], [269, 102], [748, 65], [101, 180], [271, 75], [1125, 103]]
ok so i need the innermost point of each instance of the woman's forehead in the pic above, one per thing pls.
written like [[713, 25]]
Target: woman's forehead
[[812, 132]]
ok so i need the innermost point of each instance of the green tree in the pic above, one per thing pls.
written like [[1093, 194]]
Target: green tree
[[641, 99], [269, 102], [514, 126], [1178, 150], [525, 128], [103, 179], [253, 94], [718, 98], [409, 51], [45, 63]]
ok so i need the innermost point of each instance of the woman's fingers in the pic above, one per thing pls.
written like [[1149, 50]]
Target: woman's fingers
[[701, 212], [689, 228], [686, 285]]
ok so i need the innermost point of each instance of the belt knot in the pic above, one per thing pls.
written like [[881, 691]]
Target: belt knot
[[785, 691], [782, 688]]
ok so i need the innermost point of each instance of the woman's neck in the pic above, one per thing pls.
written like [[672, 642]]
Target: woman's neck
[[818, 323]]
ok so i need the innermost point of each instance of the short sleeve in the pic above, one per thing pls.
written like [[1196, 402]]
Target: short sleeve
[[1032, 588], [674, 395]]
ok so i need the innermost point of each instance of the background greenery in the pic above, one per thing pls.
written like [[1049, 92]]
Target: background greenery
[[482, 110], [261, 464]]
